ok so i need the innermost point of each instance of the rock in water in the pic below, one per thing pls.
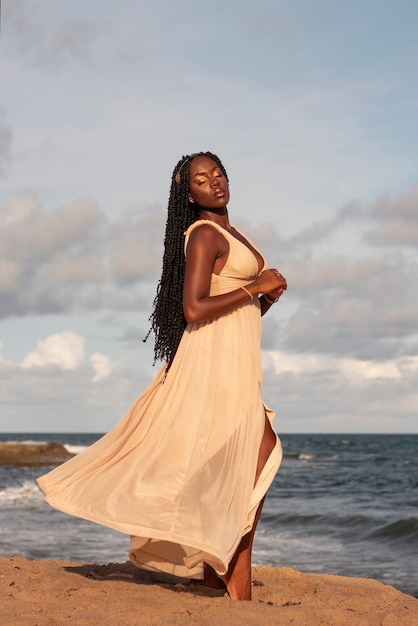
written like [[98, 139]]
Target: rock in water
[[33, 454]]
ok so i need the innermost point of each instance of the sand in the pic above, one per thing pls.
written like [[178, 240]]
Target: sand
[[47, 593]]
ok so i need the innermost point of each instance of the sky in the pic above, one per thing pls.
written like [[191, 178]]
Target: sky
[[312, 107]]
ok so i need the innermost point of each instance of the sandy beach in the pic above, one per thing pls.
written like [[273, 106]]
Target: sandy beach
[[47, 593]]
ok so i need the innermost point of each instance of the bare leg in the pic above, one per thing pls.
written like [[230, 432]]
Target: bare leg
[[238, 576], [211, 578]]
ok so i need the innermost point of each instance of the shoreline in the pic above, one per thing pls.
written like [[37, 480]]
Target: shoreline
[[51, 592]]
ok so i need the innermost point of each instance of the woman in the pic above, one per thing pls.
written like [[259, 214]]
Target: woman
[[186, 470]]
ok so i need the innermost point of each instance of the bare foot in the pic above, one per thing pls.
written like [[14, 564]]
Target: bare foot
[[238, 579]]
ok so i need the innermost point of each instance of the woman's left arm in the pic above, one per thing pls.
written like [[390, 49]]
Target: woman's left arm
[[268, 299]]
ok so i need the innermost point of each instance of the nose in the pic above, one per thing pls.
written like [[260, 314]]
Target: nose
[[215, 182]]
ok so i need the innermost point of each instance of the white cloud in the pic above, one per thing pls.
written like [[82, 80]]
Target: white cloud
[[9, 275], [65, 350], [48, 43], [102, 366], [52, 399], [397, 217], [312, 394], [18, 210], [5, 147], [32, 234], [75, 258], [356, 370], [396, 369], [294, 363]]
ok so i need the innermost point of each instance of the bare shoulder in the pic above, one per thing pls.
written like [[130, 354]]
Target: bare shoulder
[[206, 235], [207, 245]]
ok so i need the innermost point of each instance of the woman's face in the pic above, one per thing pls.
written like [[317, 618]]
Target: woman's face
[[208, 186]]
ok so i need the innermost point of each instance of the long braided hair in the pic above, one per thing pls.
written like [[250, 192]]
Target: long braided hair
[[167, 319]]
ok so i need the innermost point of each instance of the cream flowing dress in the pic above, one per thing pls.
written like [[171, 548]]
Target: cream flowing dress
[[177, 473]]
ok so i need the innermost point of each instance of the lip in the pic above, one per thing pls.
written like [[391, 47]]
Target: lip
[[219, 193]]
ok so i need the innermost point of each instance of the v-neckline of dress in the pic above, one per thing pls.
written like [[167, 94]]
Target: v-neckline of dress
[[250, 249]]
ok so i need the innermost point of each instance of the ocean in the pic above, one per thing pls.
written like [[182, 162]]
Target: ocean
[[340, 504]]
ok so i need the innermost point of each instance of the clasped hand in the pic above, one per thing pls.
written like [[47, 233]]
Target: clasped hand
[[271, 282]]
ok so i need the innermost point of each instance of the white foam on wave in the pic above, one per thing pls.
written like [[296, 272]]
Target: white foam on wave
[[25, 442], [27, 494], [74, 449], [307, 457]]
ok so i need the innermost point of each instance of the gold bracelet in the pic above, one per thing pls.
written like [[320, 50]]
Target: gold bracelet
[[246, 291], [270, 300]]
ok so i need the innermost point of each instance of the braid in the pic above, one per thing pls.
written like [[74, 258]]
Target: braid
[[167, 319]]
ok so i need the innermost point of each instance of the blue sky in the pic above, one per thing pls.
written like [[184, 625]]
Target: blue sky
[[312, 108]]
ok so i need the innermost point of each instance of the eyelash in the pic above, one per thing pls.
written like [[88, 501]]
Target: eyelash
[[201, 182]]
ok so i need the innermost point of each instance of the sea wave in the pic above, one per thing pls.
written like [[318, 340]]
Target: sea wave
[[25, 442], [326, 521], [307, 457], [74, 449], [311, 456], [26, 495], [344, 526], [401, 529]]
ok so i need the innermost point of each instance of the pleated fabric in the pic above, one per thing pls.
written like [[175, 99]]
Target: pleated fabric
[[177, 473]]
